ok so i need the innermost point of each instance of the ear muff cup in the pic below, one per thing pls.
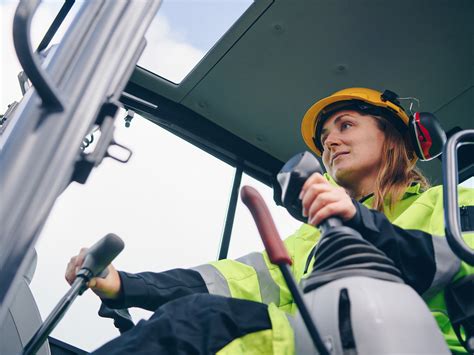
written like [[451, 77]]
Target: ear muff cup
[[426, 135]]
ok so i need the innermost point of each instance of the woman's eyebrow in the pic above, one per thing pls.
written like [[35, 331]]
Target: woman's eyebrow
[[336, 121]]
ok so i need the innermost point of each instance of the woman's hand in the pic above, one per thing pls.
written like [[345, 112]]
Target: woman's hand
[[108, 287], [321, 200]]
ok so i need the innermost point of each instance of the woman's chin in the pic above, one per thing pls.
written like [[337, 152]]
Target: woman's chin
[[341, 170], [343, 174]]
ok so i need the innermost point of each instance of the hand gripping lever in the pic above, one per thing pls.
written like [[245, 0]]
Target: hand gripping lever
[[98, 257], [291, 179]]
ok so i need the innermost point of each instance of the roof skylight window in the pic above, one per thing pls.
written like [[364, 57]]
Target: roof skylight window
[[183, 31]]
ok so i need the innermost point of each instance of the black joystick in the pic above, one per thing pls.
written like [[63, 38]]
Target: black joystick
[[291, 179], [341, 251], [95, 264]]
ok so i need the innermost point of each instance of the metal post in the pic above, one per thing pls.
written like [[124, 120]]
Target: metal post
[[53, 28], [229, 220], [452, 217]]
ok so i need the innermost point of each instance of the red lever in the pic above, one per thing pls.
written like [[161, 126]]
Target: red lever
[[266, 227]]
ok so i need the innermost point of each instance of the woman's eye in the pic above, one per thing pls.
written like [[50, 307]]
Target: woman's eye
[[346, 125]]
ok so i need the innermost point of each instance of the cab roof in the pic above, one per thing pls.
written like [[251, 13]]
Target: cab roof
[[245, 99]]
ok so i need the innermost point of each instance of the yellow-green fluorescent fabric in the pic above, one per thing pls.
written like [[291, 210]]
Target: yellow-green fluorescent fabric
[[278, 341]]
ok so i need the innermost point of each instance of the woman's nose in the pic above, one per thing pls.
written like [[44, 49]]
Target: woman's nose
[[332, 139]]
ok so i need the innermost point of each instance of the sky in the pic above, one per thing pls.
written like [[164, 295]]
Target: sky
[[168, 203]]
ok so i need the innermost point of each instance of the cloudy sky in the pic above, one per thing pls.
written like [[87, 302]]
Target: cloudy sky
[[168, 203]]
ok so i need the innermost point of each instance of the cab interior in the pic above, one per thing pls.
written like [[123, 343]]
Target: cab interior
[[244, 100]]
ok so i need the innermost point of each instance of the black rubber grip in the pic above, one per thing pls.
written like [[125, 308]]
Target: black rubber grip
[[101, 254]]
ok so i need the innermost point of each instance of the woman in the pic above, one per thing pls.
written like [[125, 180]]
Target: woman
[[368, 152], [370, 164]]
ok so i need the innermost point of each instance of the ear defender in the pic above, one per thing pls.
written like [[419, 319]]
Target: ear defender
[[427, 135]]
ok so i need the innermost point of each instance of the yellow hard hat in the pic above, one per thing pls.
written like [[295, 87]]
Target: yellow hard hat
[[360, 99]]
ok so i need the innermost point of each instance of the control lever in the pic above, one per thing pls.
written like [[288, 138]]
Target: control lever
[[291, 179], [98, 257], [279, 256], [340, 255]]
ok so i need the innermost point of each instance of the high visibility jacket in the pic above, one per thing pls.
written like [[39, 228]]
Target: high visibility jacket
[[420, 252], [411, 234]]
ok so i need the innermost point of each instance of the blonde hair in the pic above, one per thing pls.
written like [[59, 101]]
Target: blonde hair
[[398, 170]]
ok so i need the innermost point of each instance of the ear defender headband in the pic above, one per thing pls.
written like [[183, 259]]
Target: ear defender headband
[[424, 130]]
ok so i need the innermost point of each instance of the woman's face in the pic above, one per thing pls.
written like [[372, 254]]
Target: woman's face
[[352, 147]]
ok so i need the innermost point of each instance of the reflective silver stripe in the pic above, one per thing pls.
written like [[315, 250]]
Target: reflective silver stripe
[[269, 290], [215, 282], [447, 265]]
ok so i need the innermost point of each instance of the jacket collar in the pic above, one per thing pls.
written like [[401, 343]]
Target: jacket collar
[[413, 189]]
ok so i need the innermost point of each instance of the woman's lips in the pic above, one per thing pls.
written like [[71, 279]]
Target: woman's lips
[[336, 156]]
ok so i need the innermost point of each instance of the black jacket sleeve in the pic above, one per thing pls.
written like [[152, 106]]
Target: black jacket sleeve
[[424, 260], [149, 290]]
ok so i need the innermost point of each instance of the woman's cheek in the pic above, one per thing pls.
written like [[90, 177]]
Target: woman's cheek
[[326, 160]]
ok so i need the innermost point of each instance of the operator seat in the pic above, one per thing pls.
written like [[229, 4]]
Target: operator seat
[[23, 318]]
